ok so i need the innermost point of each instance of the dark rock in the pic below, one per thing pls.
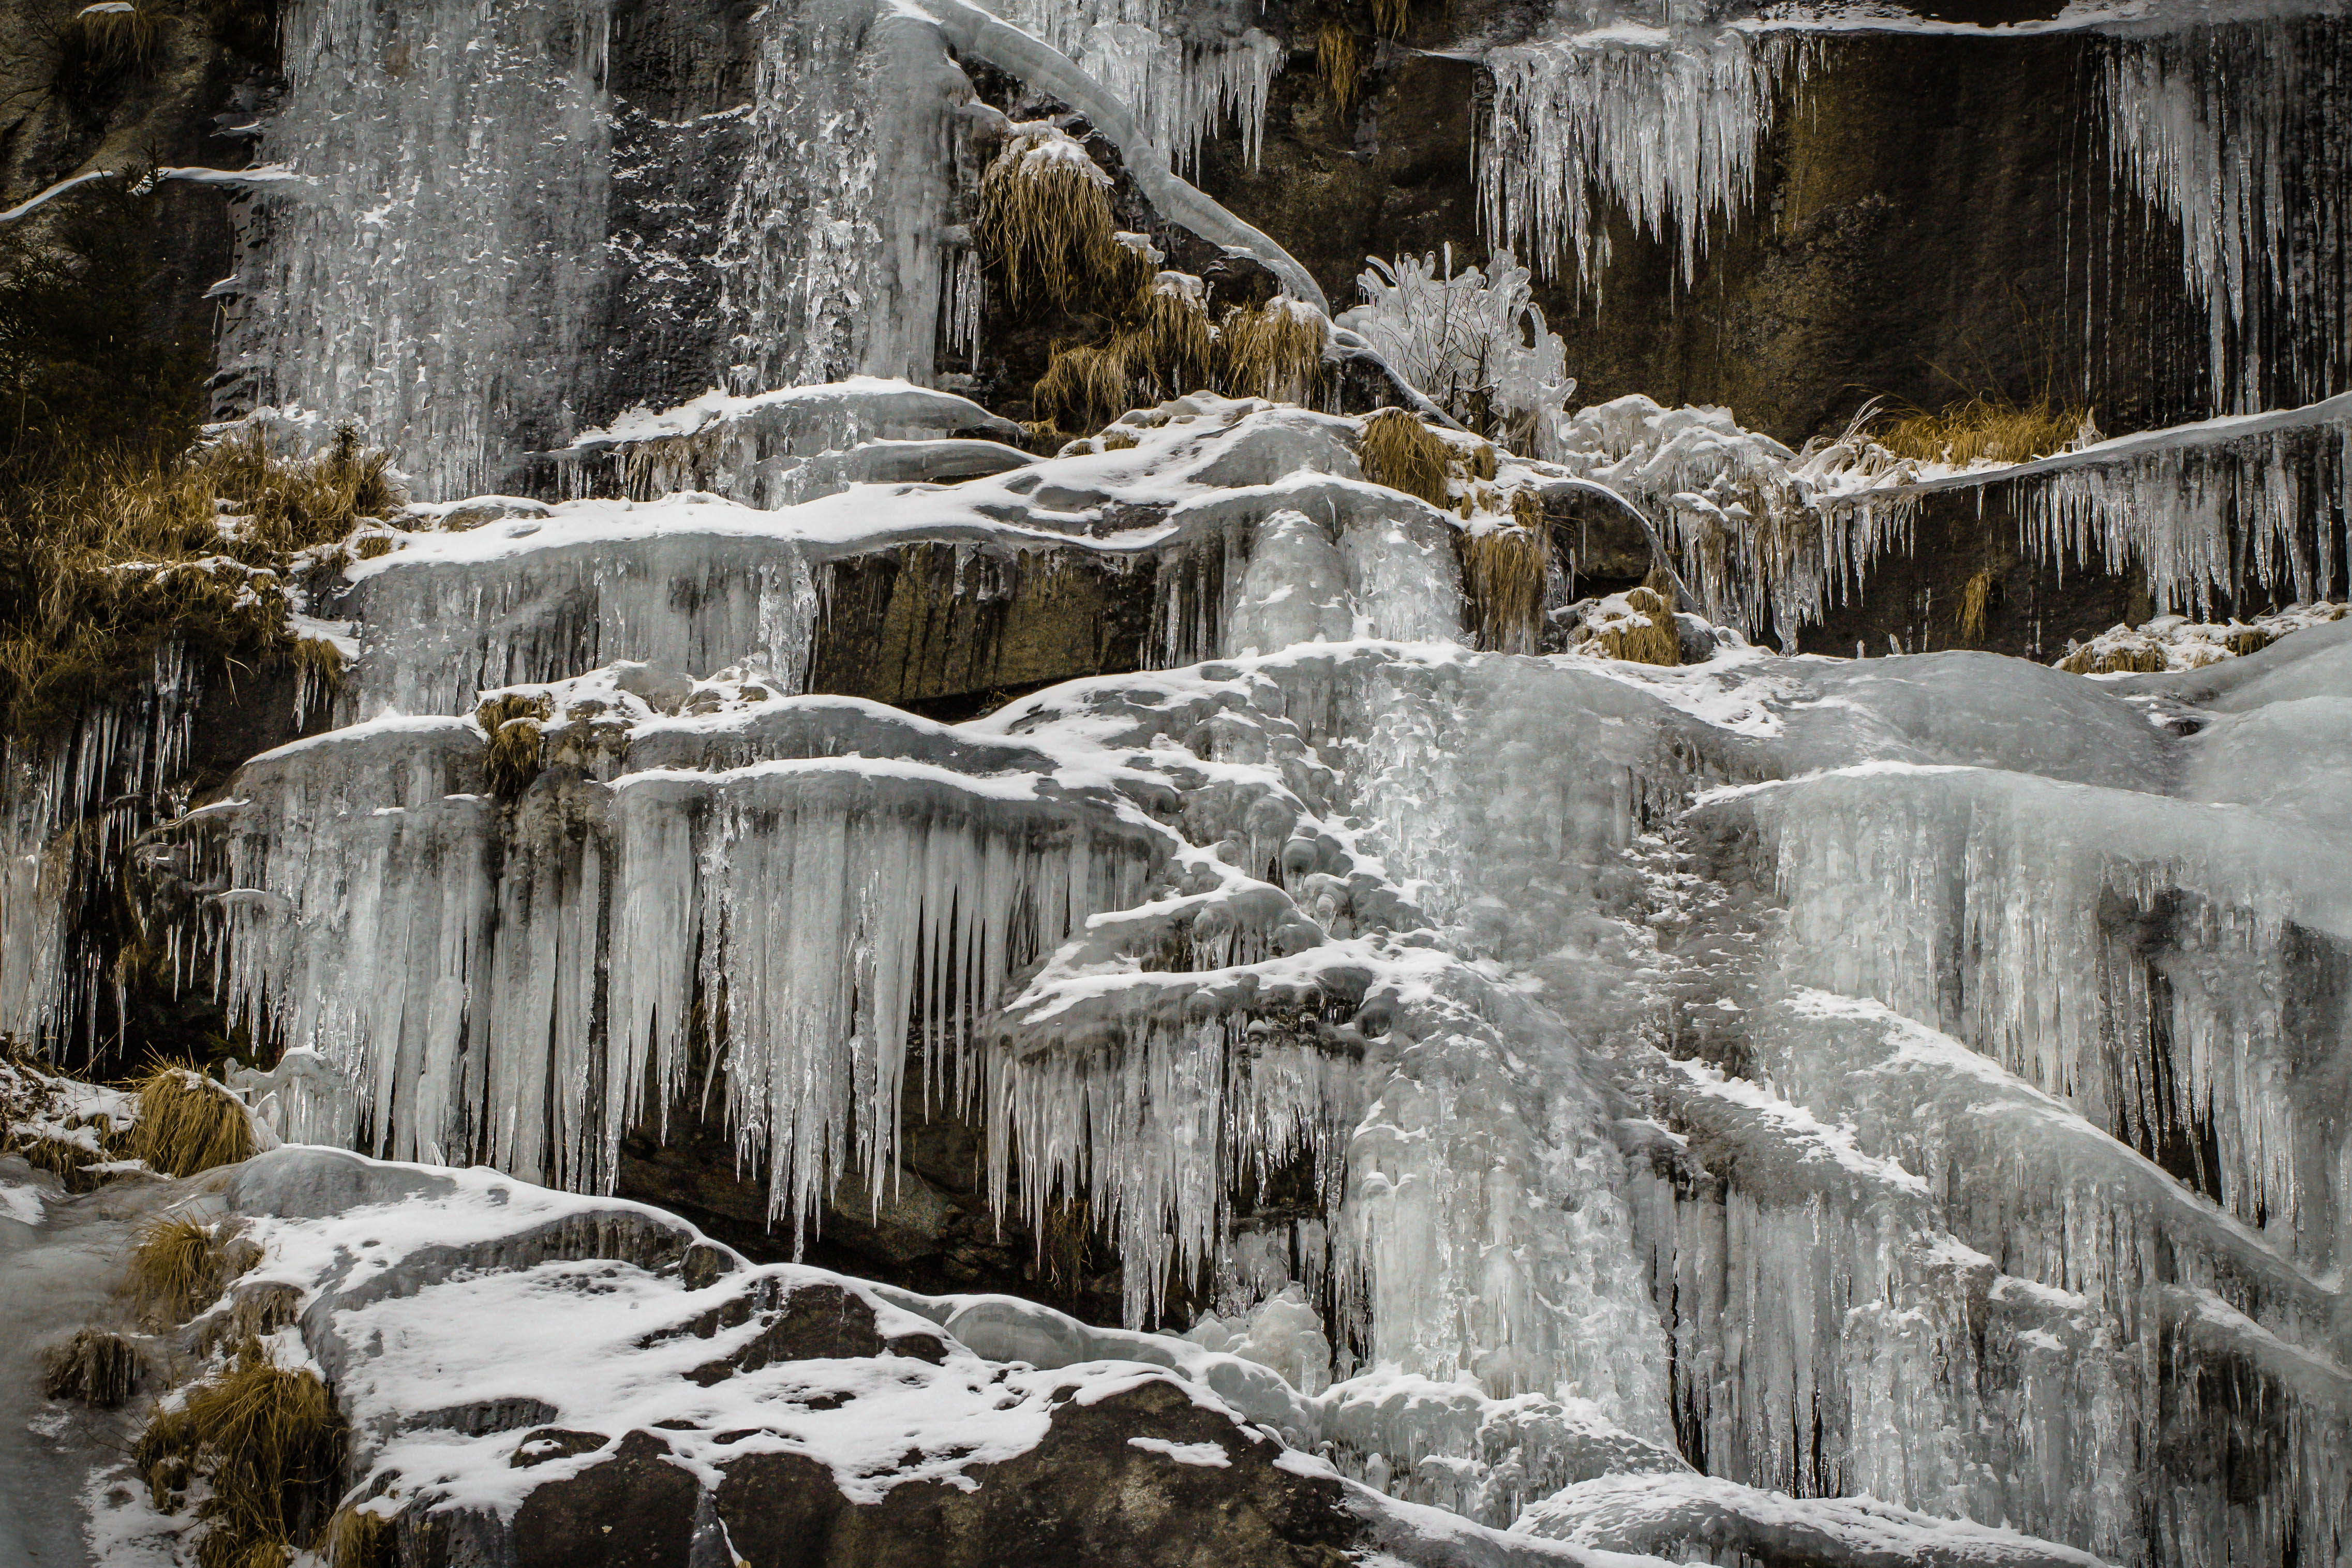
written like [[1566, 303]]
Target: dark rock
[[1085, 1495], [634, 1509]]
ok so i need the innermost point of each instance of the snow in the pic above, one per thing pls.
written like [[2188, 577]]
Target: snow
[[1211, 1455]]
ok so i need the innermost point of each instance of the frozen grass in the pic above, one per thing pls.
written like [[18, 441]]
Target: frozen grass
[[1503, 573], [1987, 430], [1974, 600], [94, 1367], [511, 758], [103, 42], [268, 1445], [1391, 18], [175, 1268], [1637, 625], [356, 1537], [1275, 351], [1045, 221], [1083, 388], [188, 1123], [1335, 65], [106, 556], [1399, 451]]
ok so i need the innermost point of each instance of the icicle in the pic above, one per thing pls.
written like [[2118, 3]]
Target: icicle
[[1665, 125]]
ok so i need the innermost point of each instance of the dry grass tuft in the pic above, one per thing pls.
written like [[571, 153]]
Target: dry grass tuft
[[175, 1269], [2129, 659], [1083, 388], [356, 1537], [1118, 441], [1527, 512], [95, 1368], [1399, 451], [1503, 576], [1391, 18], [1975, 598], [1335, 65], [1171, 350], [98, 45], [188, 1123], [1274, 352], [1044, 222], [1655, 641], [1994, 429], [267, 1443], [109, 557], [512, 753]]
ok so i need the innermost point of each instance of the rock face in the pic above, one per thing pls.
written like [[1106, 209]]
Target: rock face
[[1284, 980]]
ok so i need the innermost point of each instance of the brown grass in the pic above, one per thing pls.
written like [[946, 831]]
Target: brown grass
[[1975, 598], [356, 1537], [175, 1268], [269, 1444], [94, 1367], [1335, 65], [1274, 352], [1045, 223], [111, 556], [1083, 388], [1391, 18], [1170, 350], [187, 1123], [1503, 574], [512, 752], [95, 46], [2130, 660], [1399, 451], [1992, 429], [1656, 642]]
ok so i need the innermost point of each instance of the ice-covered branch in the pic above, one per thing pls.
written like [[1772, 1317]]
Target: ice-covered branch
[[976, 33]]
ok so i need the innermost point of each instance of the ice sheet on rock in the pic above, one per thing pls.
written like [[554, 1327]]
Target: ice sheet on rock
[[69, 810], [443, 287], [793, 444], [1708, 1515], [439, 1302], [2234, 129], [833, 255], [695, 584]]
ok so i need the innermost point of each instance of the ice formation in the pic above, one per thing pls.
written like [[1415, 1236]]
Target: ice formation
[[1664, 123], [1894, 1081], [2237, 131]]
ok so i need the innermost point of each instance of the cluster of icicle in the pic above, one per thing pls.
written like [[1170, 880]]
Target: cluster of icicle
[[1181, 88], [2241, 133], [1665, 124], [1885, 1077], [69, 809]]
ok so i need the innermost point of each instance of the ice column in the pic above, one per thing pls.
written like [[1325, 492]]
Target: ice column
[[2241, 133], [439, 277]]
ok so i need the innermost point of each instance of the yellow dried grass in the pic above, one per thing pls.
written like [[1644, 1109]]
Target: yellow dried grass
[[1084, 388], [1975, 598], [513, 749], [1391, 18], [1991, 429], [1399, 451], [177, 1267], [1045, 221], [1503, 576], [2129, 659], [187, 1123], [1655, 642], [1275, 351], [267, 1443], [1335, 65]]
